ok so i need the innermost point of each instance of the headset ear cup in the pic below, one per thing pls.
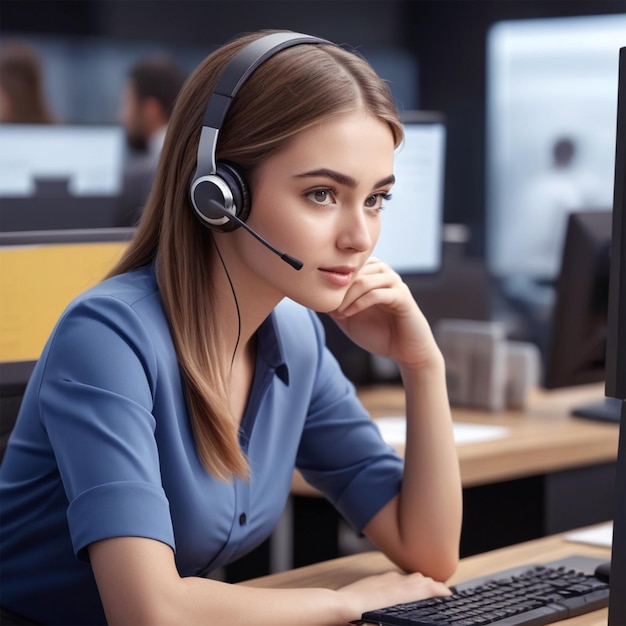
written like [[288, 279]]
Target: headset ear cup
[[236, 182]]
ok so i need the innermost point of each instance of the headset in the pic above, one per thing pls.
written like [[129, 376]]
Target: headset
[[219, 192]]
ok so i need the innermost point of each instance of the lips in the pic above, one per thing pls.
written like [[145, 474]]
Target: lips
[[340, 275]]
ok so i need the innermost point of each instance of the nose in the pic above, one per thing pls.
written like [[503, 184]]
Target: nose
[[357, 230]]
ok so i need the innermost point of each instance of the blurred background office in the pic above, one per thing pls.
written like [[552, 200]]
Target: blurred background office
[[509, 77], [505, 80]]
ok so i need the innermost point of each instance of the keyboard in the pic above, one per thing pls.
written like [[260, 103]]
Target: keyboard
[[530, 595]]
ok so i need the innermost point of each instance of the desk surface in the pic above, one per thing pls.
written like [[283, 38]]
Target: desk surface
[[339, 572], [541, 439]]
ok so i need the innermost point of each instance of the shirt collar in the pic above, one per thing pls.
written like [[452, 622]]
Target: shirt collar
[[270, 348]]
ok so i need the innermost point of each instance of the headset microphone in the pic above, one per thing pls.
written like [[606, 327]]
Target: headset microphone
[[295, 263]]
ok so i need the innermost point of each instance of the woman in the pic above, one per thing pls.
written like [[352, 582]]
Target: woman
[[22, 93], [159, 432]]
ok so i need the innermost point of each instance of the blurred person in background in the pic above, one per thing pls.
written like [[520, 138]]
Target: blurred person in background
[[146, 105], [546, 201], [22, 94]]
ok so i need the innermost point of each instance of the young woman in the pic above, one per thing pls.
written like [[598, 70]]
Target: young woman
[[160, 429]]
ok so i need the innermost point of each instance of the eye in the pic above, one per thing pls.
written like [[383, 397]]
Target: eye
[[376, 201], [320, 196]]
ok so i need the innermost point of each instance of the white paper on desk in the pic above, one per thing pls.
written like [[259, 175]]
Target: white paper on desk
[[393, 431], [601, 535]]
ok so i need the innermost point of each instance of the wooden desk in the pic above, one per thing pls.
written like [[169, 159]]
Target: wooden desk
[[551, 472], [339, 572], [542, 439]]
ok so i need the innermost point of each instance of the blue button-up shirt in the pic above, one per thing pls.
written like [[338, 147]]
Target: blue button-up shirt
[[103, 447]]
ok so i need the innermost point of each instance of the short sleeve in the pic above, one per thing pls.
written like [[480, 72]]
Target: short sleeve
[[342, 452], [96, 407]]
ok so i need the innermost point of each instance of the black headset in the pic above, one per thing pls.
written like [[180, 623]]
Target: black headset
[[219, 193]]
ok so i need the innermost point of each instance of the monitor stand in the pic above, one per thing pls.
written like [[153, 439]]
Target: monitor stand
[[606, 410]]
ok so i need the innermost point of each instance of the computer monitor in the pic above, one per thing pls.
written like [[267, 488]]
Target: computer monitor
[[577, 338], [57, 176], [410, 238], [616, 354], [88, 158]]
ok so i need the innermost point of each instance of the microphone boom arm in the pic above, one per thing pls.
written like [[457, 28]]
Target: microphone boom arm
[[295, 263]]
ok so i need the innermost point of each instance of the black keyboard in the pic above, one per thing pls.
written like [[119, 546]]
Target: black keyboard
[[527, 595]]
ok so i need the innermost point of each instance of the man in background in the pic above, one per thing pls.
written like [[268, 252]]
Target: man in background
[[147, 102], [546, 202]]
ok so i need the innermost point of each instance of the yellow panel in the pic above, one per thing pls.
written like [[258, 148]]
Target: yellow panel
[[36, 284]]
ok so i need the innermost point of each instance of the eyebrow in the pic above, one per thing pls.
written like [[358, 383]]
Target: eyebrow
[[343, 179]]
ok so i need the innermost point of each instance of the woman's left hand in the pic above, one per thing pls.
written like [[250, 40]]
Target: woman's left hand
[[380, 315]]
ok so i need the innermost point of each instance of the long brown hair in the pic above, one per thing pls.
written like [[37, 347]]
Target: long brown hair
[[21, 80], [291, 91]]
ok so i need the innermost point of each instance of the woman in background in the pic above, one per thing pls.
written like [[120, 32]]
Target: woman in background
[[158, 436], [22, 93]]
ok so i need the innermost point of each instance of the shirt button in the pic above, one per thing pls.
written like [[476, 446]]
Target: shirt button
[[242, 519]]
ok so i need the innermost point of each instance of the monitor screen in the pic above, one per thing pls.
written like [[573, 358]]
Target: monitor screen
[[551, 105], [84, 160], [577, 338], [410, 238]]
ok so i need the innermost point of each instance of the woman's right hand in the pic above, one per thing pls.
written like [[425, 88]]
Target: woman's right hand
[[381, 590]]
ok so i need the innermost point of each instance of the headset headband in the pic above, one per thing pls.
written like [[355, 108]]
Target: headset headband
[[228, 84]]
